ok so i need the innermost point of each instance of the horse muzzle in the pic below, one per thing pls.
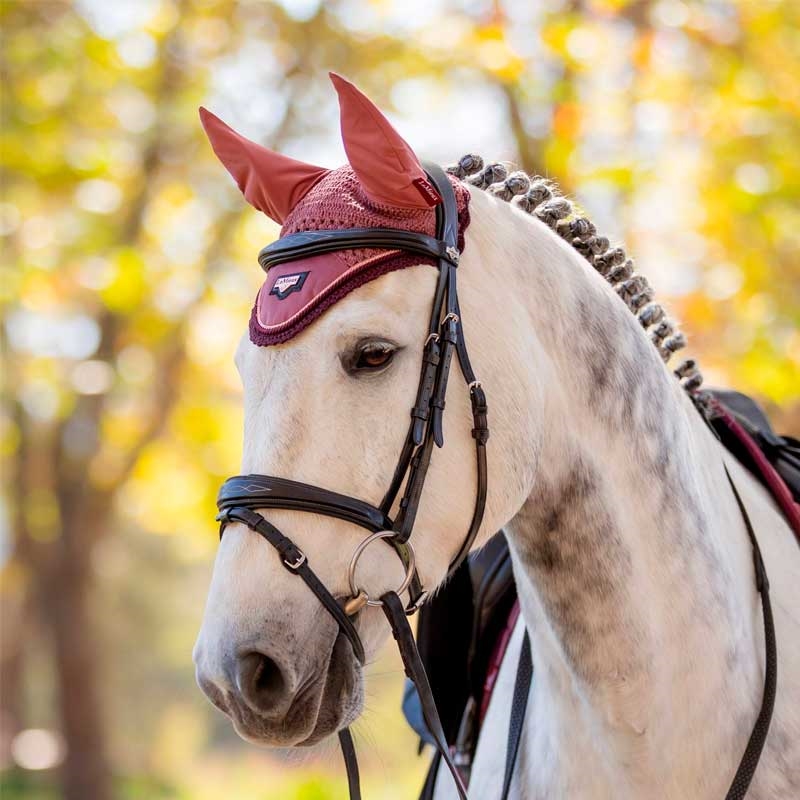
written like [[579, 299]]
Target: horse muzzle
[[283, 697]]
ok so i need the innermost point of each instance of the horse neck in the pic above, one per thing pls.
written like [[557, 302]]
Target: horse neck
[[633, 566]]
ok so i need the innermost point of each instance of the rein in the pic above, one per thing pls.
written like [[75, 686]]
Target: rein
[[241, 497]]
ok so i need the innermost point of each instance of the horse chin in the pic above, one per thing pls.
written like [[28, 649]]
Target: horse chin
[[328, 703], [341, 698]]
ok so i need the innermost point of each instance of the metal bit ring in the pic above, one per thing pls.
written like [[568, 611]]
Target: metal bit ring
[[359, 597]]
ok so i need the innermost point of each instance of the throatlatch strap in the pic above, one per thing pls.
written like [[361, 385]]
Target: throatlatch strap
[[752, 753], [415, 671], [519, 705]]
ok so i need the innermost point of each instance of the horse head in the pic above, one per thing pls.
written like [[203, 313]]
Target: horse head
[[327, 404]]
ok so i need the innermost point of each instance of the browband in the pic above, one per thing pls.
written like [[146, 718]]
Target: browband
[[314, 243]]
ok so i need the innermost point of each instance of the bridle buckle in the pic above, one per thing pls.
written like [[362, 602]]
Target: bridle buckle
[[297, 563]]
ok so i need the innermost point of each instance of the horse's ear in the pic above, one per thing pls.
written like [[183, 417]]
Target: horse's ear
[[269, 181], [386, 166]]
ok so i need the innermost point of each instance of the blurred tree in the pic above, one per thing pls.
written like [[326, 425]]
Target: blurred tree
[[99, 136], [128, 275], [64, 490]]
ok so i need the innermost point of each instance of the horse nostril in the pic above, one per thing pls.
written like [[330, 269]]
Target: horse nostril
[[260, 681]]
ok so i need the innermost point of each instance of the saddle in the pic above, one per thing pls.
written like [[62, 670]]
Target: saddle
[[782, 452], [465, 622]]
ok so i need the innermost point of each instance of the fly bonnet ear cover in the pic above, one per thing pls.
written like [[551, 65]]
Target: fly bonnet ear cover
[[383, 186]]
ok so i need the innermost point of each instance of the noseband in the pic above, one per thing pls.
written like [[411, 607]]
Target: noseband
[[241, 496]]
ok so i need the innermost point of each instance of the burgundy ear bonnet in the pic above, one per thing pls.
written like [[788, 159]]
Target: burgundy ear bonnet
[[384, 185]]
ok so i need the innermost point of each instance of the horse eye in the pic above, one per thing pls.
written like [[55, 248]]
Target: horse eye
[[370, 356], [374, 356]]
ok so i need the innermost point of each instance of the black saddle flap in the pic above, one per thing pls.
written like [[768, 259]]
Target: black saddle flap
[[457, 629]]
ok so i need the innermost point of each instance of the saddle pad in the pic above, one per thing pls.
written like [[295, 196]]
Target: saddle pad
[[296, 293], [759, 464]]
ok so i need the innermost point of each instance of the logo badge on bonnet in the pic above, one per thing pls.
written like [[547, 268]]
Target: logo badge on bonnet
[[287, 284]]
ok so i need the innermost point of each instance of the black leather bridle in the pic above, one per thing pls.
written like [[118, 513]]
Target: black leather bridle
[[241, 496]]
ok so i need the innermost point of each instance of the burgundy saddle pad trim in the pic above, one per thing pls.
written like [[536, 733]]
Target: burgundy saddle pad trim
[[778, 489]]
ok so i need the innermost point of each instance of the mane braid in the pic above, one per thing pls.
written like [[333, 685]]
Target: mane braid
[[542, 199]]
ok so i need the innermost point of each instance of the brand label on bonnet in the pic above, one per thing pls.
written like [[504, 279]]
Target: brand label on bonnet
[[428, 192], [287, 284]]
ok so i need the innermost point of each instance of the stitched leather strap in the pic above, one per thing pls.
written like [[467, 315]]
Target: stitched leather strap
[[415, 671], [314, 243], [409, 504], [755, 745], [427, 381], [519, 705], [449, 336], [427, 415], [266, 491], [350, 763], [480, 433]]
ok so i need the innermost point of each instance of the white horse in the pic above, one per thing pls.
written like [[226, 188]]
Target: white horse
[[632, 561]]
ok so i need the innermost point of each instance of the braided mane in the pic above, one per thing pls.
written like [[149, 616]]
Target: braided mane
[[542, 199]]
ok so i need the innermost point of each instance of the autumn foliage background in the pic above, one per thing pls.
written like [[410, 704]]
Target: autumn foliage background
[[129, 268]]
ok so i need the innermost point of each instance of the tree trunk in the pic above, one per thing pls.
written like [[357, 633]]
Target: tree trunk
[[14, 625], [85, 773]]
